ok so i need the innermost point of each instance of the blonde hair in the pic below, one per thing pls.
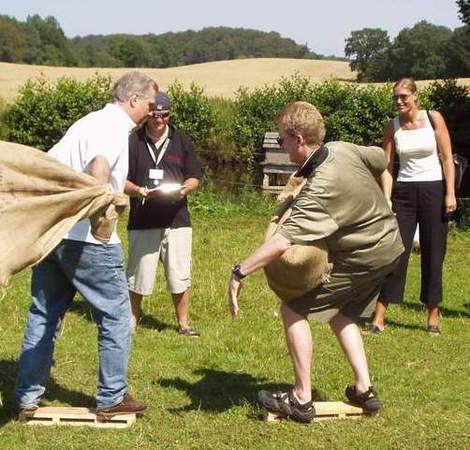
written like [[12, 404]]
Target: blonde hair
[[302, 118], [407, 83]]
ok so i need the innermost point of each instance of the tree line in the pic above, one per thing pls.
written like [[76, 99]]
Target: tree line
[[424, 51], [42, 41]]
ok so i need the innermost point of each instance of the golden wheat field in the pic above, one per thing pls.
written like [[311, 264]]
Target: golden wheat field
[[219, 79]]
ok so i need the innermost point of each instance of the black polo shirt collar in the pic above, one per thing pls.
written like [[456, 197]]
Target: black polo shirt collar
[[313, 161], [171, 132]]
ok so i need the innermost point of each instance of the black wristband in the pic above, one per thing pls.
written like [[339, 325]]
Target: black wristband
[[237, 273]]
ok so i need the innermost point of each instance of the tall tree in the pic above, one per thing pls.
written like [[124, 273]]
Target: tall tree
[[363, 45], [419, 51], [464, 11], [457, 53], [12, 44], [46, 41], [129, 51]]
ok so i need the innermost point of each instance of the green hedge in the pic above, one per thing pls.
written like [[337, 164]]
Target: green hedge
[[229, 134], [43, 111]]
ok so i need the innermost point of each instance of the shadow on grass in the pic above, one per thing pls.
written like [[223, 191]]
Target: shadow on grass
[[84, 309], [148, 321], [8, 409], [446, 312], [407, 326], [218, 391]]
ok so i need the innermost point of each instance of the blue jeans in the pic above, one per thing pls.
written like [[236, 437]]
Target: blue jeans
[[97, 272]]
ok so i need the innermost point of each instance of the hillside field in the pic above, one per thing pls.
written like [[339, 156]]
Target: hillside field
[[219, 79]]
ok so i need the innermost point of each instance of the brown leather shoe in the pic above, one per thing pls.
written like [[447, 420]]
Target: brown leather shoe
[[27, 412], [128, 406]]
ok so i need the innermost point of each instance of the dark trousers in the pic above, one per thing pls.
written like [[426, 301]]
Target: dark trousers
[[419, 203]]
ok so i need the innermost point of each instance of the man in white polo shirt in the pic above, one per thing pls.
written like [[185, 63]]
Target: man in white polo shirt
[[96, 144]]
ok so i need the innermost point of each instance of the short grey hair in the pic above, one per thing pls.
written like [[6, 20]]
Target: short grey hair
[[133, 83]]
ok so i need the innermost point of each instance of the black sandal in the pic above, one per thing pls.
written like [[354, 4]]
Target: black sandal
[[287, 405], [368, 400], [434, 330], [188, 332]]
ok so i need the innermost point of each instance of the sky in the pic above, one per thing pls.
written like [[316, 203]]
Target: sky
[[322, 25]]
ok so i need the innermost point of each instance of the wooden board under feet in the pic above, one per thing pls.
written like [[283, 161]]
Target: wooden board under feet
[[324, 411], [77, 417]]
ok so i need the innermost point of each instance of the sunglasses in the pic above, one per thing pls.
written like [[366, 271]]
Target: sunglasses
[[157, 115], [402, 97], [280, 140]]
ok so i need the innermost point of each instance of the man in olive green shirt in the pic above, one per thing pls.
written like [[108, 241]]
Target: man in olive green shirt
[[342, 204]]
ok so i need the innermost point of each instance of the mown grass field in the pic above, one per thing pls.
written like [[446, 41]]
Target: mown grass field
[[201, 393]]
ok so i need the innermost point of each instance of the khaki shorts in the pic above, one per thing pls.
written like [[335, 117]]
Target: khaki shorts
[[353, 294], [172, 246]]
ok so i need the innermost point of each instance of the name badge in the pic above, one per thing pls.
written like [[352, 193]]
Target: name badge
[[156, 174]]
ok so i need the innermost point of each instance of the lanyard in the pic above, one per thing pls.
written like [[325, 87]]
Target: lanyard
[[157, 154]]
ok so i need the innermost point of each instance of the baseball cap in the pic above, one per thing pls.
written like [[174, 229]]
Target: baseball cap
[[161, 103]]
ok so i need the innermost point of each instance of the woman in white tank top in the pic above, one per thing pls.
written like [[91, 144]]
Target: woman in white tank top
[[422, 194]]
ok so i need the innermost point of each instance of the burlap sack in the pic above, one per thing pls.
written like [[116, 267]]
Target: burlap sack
[[40, 200], [302, 267]]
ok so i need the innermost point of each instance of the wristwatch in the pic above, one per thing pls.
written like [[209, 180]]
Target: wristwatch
[[237, 273]]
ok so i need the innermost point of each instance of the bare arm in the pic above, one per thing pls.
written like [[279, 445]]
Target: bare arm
[[189, 185], [445, 150], [100, 169], [386, 179], [133, 190], [263, 255]]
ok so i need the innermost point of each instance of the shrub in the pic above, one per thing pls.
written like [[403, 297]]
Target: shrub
[[256, 111], [353, 113], [191, 111], [453, 102], [44, 111], [228, 134], [3, 128]]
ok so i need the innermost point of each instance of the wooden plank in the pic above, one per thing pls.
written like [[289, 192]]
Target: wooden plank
[[278, 168], [271, 134], [278, 159], [324, 411], [271, 145], [73, 416]]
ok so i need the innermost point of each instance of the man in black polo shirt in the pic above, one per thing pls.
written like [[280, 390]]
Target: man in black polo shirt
[[163, 169]]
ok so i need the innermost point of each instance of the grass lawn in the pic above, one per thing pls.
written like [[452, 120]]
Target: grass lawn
[[201, 392]]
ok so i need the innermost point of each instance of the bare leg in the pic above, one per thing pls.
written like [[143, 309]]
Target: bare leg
[[136, 300], [433, 315], [181, 302], [299, 343], [379, 315], [350, 339]]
